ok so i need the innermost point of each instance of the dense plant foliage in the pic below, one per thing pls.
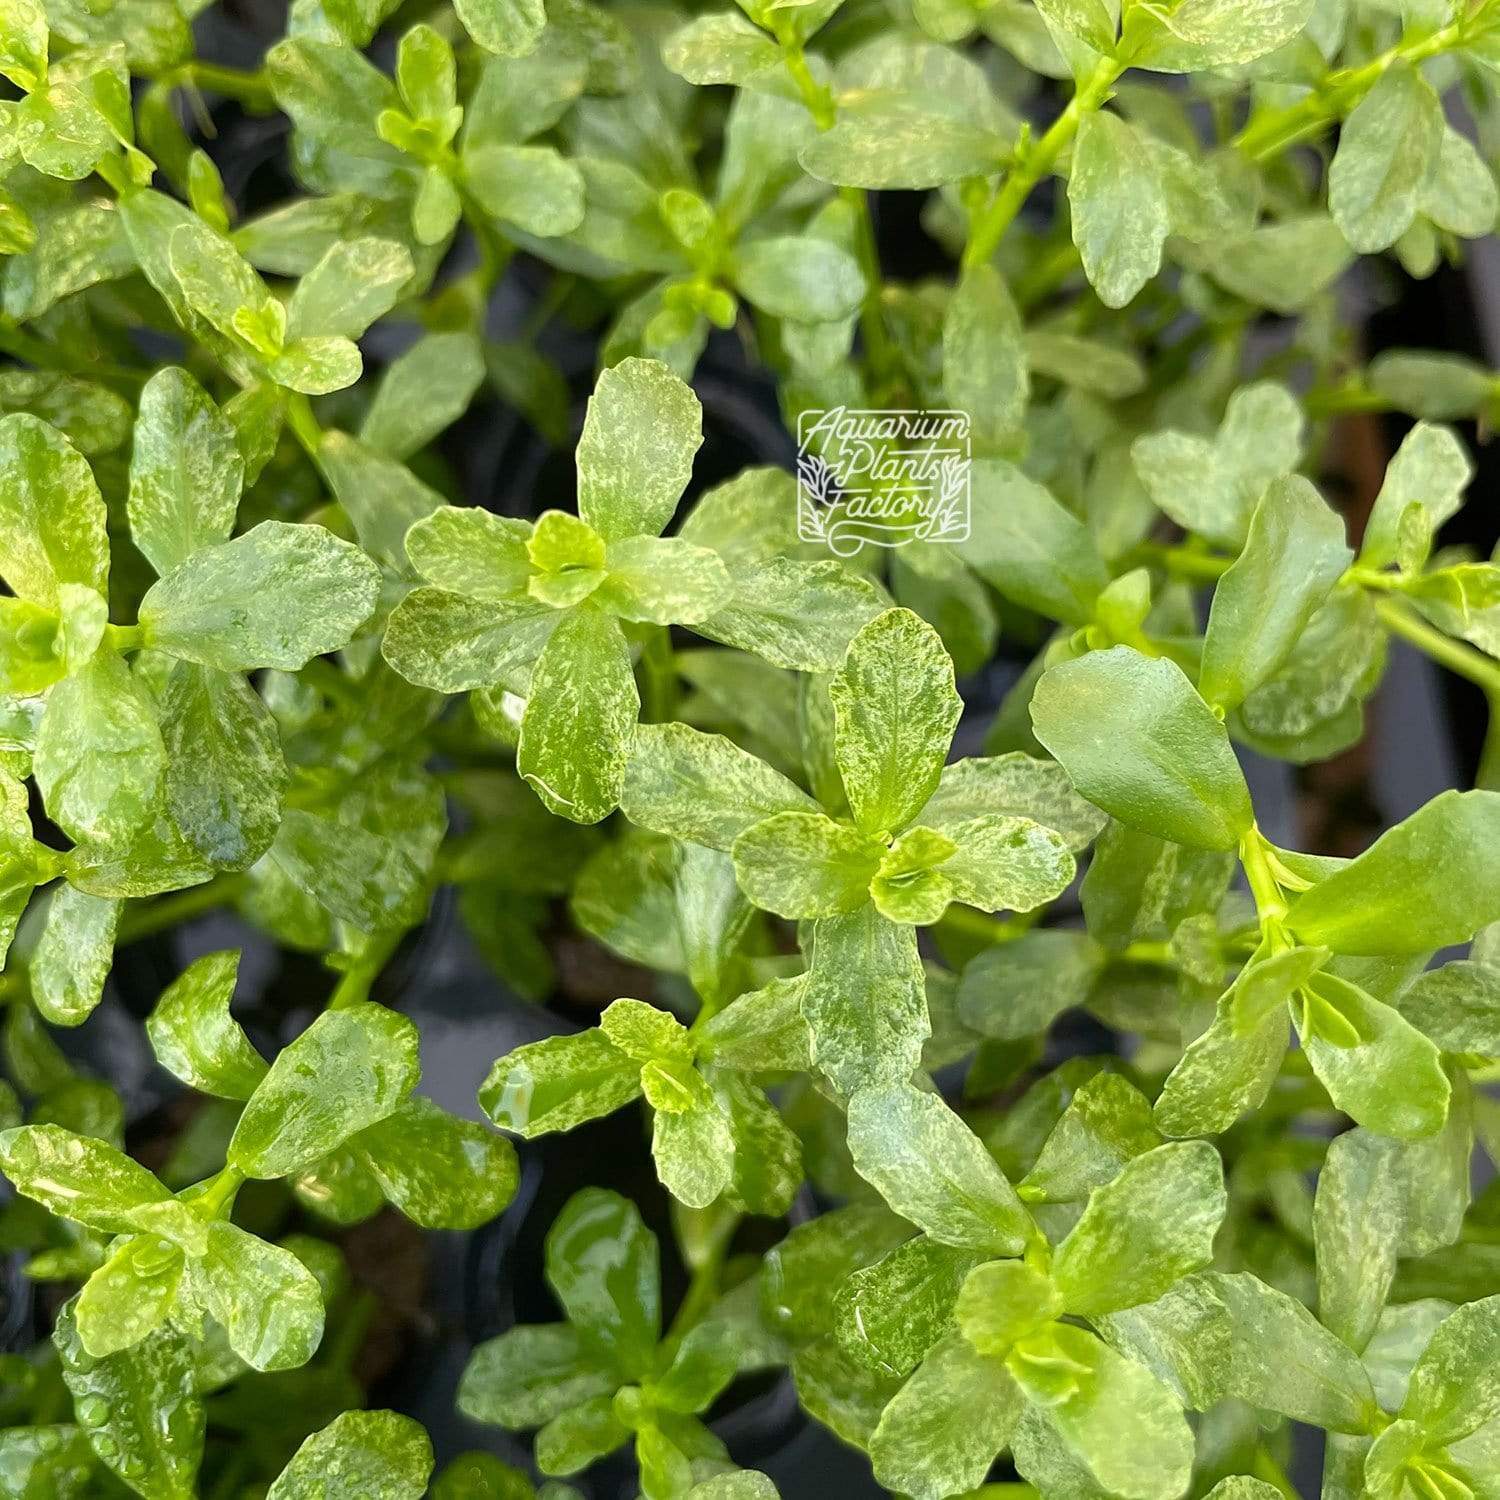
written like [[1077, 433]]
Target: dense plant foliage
[[259, 657]]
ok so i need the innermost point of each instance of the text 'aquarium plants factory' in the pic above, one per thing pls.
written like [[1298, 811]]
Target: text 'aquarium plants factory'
[[749, 749]]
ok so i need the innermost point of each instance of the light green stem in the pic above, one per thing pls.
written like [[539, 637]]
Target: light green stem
[[702, 1293], [168, 911], [31, 350], [1181, 562], [1267, 135], [250, 89], [354, 983], [1034, 162], [821, 105], [965, 921], [1269, 901], [1395, 613], [1275, 130], [1488, 774], [1402, 620], [125, 637], [218, 1198], [304, 425], [659, 676], [1352, 395]]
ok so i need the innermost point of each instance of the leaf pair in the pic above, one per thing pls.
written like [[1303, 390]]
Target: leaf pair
[[1401, 174], [341, 1087], [398, 139], [1211, 486], [918, 837], [125, 765], [305, 345], [593, 1382], [543, 611], [811, 281], [1014, 1374], [1378, 1068], [707, 249], [1384, 902], [1123, 725], [333, 1111], [76, 111], [173, 1260], [714, 1132], [274, 597], [141, 1412], [1309, 706], [1450, 1396], [538, 610], [1181, 36], [1127, 727]]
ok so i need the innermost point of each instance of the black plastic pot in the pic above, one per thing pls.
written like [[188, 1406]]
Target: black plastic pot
[[18, 1323], [1442, 313]]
